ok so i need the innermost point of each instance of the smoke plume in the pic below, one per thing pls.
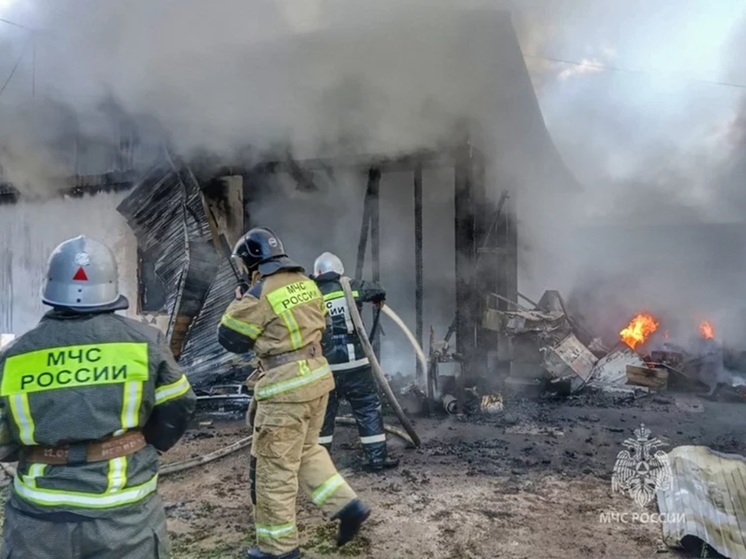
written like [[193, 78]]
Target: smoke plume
[[626, 90]]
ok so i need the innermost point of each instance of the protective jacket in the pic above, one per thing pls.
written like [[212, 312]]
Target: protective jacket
[[353, 377], [282, 318], [346, 351], [281, 313], [79, 378]]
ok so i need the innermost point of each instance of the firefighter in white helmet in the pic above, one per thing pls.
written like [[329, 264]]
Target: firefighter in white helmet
[[353, 377]]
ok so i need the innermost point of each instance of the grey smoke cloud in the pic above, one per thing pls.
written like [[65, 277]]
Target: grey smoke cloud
[[331, 76], [659, 154], [224, 73]]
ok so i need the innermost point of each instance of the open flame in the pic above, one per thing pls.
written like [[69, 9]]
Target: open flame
[[639, 330], [707, 331]]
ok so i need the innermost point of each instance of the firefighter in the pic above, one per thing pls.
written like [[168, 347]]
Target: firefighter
[[282, 319], [353, 377], [88, 399]]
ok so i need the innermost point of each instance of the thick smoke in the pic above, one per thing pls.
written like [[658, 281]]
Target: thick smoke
[[222, 74], [650, 147], [657, 143]]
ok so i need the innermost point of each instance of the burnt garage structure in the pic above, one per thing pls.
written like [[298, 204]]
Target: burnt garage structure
[[186, 214], [185, 227]]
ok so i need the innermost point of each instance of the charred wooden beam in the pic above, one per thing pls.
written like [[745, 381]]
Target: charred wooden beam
[[486, 268], [464, 264], [302, 175], [404, 163], [8, 193], [77, 186], [362, 244], [418, 259], [374, 183]]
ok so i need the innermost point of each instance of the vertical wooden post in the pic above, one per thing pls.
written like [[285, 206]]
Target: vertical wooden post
[[465, 255], [418, 263], [374, 183]]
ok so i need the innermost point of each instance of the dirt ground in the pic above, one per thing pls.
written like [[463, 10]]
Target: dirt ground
[[531, 482]]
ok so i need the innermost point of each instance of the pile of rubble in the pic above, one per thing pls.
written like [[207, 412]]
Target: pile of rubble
[[553, 353]]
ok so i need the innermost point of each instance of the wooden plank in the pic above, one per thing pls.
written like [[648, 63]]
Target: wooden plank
[[646, 376]]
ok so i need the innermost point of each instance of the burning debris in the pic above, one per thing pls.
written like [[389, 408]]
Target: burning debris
[[707, 331], [639, 330], [553, 353]]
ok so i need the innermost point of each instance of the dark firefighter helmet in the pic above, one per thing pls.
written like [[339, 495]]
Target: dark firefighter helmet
[[257, 246]]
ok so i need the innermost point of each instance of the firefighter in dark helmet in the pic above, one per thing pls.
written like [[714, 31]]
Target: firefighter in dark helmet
[[282, 319], [87, 400], [353, 377]]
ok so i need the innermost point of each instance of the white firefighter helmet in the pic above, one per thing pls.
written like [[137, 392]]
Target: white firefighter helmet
[[82, 275], [326, 263]]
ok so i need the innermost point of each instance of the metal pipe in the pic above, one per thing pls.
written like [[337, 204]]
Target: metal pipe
[[522, 296]]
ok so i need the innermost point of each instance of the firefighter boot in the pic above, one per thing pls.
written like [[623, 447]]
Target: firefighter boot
[[386, 464], [256, 553], [351, 517], [377, 456]]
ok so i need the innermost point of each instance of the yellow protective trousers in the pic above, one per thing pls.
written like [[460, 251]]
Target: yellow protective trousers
[[287, 453]]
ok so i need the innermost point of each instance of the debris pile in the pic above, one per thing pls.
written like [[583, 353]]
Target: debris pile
[[553, 353], [547, 351]]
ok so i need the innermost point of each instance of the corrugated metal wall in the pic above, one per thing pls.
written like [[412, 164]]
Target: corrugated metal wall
[[203, 357], [29, 231], [165, 211]]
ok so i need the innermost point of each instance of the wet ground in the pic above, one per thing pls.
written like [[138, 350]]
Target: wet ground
[[531, 482]]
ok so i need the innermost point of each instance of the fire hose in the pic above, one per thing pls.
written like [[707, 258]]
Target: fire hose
[[357, 321], [412, 340]]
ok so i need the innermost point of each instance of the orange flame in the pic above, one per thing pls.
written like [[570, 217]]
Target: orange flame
[[639, 330], [707, 331]]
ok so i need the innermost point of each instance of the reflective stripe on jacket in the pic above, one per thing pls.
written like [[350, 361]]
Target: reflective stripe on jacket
[[80, 378], [281, 312], [346, 351]]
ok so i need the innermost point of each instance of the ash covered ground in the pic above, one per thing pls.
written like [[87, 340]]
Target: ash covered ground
[[531, 482]]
